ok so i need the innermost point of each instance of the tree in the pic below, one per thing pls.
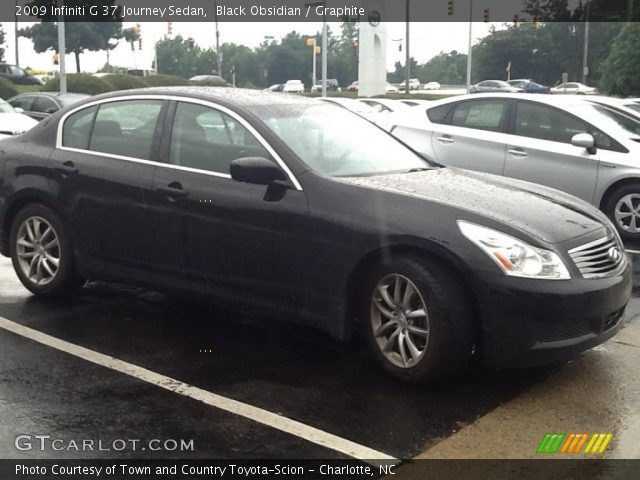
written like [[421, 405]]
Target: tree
[[89, 35], [446, 68], [178, 57], [622, 66], [2, 40]]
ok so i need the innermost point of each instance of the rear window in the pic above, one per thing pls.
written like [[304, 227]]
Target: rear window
[[77, 129]]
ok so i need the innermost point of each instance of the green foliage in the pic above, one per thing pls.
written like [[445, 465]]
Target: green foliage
[[215, 82], [2, 40], [176, 58], [622, 67], [80, 36], [80, 83], [445, 68], [124, 82], [165, 81], [7, 89]]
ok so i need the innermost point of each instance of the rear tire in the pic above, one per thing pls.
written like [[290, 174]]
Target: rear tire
[[418, 319], [42, 253]]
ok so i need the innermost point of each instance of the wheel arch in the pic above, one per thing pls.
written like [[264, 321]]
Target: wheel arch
[[611, 189], [432, 253]]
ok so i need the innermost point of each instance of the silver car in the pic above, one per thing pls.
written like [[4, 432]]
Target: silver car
[[568, 143], [494, 86]]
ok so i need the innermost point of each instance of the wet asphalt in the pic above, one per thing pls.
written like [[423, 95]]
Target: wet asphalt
[[283, 368]]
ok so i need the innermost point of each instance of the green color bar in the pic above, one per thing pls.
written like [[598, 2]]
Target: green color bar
[[558, 442], [542, 448]]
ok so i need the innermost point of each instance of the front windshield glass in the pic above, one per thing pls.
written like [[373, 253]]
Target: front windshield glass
[[627, 125], [5, 107], [335, 142], [633, 106]]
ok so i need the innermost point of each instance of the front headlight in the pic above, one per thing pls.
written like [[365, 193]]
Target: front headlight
[[515, 257]]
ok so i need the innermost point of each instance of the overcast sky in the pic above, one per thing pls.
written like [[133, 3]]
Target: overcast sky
[[427, 40]]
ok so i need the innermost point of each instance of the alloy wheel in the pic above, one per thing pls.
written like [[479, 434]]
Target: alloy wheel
[[627, 213], [38, 250], [400, 320]]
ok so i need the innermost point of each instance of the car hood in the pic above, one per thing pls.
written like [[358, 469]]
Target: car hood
[[15, 123], [541, 212]]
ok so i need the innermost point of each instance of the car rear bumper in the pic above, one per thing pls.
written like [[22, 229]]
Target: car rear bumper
[[535, 322]]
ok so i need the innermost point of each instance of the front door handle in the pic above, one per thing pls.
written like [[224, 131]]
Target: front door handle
[[174, 191], [518, 152], [445, 139], [67, 168]]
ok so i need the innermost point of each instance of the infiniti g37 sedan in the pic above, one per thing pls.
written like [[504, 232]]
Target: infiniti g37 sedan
[[586, 149], [309, 212]]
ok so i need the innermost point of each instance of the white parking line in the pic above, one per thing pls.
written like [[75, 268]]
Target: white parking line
[[256, 414]]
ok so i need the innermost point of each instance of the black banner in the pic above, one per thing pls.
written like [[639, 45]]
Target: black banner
[[373, 11]]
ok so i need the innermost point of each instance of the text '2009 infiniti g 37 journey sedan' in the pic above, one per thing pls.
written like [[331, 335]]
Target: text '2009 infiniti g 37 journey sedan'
[[284, 208]]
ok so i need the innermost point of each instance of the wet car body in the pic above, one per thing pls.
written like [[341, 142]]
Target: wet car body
[[302, 247]]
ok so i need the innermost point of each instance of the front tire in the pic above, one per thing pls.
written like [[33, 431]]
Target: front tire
[[41, 252], [623, 209], [418, 319]]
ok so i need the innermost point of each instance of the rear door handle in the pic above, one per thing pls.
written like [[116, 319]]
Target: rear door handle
[[174, 191], [67, 168], [518, 152], [446, 139]]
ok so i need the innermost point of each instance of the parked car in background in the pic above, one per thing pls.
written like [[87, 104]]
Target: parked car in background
[[216, 80], [414, 84], [276, 87], [43, 78], [17, 75], [332, 86], [40, 105], [312, 214], [353, 87], [293, 86], [359, 108], [529, 86], [391, 88], [12, 121], [568, 143], [432, 86], [494, 86], [574, 88]]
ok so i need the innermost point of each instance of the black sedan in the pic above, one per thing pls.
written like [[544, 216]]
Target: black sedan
[[301, 210]]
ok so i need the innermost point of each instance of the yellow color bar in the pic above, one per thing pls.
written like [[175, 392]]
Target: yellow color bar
[[606, 441]]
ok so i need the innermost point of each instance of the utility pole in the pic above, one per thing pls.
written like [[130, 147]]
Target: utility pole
[[324, 55], [408, 60], [218, 53], [470, 46], [62, 49], [585, 50], [16, 40]]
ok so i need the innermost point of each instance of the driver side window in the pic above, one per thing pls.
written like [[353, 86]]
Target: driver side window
[[208, 139]]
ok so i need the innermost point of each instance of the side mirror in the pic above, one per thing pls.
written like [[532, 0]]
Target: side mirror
[[51, 110], [584, 140], [18, 109], [256, 170]]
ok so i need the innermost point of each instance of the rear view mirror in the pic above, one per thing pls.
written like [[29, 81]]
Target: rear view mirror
[[256, 170], [584, 140]]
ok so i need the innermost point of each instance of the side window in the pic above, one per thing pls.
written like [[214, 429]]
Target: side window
[[207, 139], [481, 115], [24, 103], [539, 121], [44, 105], [439, 114], [77, 129], [126, 128]]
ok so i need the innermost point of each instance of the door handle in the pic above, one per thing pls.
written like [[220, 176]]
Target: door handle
[[446, 139], [67, 168], [518, 152], [173, 191]]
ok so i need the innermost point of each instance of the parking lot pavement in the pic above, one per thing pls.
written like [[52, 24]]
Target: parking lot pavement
[[313, 383]]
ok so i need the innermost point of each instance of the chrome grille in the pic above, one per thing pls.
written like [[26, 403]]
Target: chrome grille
[[601, 258]]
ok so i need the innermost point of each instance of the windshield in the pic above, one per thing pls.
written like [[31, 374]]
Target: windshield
[[633, 106], [335, 142], [627, 125], [5, 107]]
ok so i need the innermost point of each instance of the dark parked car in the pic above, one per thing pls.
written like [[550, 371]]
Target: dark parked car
[[529, 86], [17, 75], [42, 104], [282, 207], [332, 86]]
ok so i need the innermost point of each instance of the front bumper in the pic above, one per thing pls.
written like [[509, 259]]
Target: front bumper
[[534, 322]]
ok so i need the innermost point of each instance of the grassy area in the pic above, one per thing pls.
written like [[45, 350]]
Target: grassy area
[[28, 88]]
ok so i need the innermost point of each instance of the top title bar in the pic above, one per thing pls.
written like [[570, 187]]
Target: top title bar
[[372, 11]]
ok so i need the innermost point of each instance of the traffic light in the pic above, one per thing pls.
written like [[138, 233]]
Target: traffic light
[[450, 7], [137, 32], [400, 47], [537, 24], [56, 59], [191, 43], [486, 15], [516, 21]]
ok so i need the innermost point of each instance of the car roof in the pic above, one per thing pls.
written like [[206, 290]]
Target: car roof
[[564, 100]]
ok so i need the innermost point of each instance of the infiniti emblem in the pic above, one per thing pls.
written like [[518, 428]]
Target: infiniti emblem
[[614, 254]]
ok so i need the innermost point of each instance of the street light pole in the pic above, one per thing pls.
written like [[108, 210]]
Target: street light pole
[[324, 55], [218, 53], [585, 51], [62, 49], [408, 58], [470, 46], [16, 39]]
